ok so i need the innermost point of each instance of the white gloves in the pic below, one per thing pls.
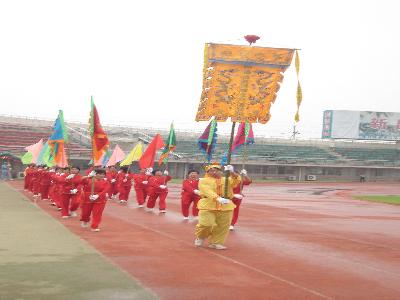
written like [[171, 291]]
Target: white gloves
[[126, 175], [61, 174], [92, 173], [70, 176], [74, 191], [223, 200], [243, 172], [93, 197], [197, 192], [228, 168], [238, 196], [148, 173], [149, 170], [52, 171], [166, 173], [163, 187], [113, 180], [125, 180], [145, 182]]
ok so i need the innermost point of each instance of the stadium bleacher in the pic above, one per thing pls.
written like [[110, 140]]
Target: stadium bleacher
[[16, 134]]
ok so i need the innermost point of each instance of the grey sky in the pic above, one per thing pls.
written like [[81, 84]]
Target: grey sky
[[142, 60]]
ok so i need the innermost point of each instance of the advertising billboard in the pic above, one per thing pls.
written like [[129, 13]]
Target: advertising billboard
[[361, 125]]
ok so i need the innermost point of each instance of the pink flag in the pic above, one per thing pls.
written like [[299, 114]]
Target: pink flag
[[35, 150], [116, 157], [64, 159]]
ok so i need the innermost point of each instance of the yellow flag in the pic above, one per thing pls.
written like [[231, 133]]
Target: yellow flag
[[299, 93], [134, 155]]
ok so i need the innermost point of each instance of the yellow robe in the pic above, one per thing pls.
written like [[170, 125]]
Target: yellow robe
[[211, 188]]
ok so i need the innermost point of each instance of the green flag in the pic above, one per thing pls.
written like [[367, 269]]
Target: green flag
[[170, 146]]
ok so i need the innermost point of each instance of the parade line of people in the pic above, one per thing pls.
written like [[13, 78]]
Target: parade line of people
[[68, 191]]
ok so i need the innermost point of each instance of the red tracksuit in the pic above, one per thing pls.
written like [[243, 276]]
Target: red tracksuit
[[237, 202], [94, 208], [57, 198], [28, 177], [124, 187], [110, 175], [140, 188], [69, 202], [188, 196], [155, 191], [36, 181], [45, 181]]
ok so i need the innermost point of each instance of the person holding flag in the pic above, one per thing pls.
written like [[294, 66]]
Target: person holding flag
[[95, 188], [124, 184], [190, 194], [141, 179], [215, 209], [141, 186], [238, 196], [158, 189], [111, 175]]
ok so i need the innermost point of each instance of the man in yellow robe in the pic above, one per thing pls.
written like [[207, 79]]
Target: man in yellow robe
[[215, 211]]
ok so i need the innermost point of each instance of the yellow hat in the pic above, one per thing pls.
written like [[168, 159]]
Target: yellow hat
[[213, 165]]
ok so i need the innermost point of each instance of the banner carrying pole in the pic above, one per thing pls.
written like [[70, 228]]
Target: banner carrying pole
[[227, 173]]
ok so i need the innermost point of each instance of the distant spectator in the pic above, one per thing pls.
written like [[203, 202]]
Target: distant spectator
[[5, 171], [362, 178]]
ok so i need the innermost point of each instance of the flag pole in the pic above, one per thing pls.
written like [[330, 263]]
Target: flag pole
[[243, 161], [92, 133], [227, 173]]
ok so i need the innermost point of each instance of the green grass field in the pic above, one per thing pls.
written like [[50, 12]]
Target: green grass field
[[390, 199]]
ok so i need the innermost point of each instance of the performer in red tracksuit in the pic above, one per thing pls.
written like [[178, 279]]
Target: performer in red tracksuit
[[238, 196], [70, 192], [45, 181], [158, 188], [54, 171], [57, 191], [190, 194], [111, 175], [93, 203], [124, 184], [28, 176], [36, 181], [141, 181]]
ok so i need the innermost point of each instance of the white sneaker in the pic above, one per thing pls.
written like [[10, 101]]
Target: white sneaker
[[95, 229], [84, 224], [217, 246], [73, 214], [186, 218], [140, 205], [59, 208], [163, 211], [64, 217], [149, 209], [231, 227], [198, 242]]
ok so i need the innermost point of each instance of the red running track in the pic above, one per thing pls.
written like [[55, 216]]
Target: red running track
[[293, 241]]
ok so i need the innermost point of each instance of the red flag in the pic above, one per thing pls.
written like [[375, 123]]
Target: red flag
[[147, 159], [100, 140], [244, 134]]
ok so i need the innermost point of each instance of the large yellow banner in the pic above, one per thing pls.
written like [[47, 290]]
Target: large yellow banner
[[241, 82]]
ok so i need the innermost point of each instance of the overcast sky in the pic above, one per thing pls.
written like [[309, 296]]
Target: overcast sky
[[142, 60]]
